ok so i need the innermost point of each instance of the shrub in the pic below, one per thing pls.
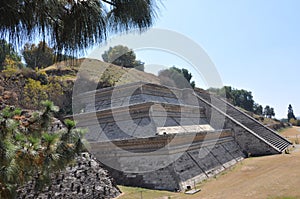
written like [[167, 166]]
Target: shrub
[[34, 93]]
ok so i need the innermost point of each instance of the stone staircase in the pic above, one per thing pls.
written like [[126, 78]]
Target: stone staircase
[[267, 134]]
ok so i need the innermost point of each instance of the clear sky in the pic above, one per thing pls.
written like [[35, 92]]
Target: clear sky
[[254, 44]]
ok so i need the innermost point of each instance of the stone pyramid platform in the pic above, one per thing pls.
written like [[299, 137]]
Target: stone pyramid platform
[[157, 137]]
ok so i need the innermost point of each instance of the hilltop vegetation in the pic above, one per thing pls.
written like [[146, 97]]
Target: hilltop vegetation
[[243, 99], [122, 56], [26, 87]]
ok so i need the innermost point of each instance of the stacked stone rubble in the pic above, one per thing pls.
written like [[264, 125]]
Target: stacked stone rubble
[[85, 179]]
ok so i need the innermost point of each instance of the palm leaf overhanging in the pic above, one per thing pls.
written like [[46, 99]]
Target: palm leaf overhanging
[[72, 25]]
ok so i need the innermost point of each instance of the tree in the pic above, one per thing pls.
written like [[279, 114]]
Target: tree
[[39, 56], [188, 76], [72, 25], [180, 78], [269, 112], [243, 99], [29, 150], [272, 113], [8, 55], [239, 97], [122, 56], [257, 109], [290, 114], [266, 111]]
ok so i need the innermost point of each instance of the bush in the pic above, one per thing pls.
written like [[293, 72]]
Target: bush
[[10, 71], [34, 93]]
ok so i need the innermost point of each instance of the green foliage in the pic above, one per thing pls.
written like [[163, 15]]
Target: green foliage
[[268, 111], [10, 71], [35, 92], [72, 25], [241, 98], [39, 56], [290, 114], [29, 151], [257, 109], [12, 65], [70, 124], [122, 56], [8, 56], [175, 77], [12, 61], [244, 99], [31, 87]]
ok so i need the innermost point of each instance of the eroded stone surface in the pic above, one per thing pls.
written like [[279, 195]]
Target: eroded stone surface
[[84, 179]]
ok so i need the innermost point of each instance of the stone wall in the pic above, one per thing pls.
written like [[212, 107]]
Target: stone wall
[[140, 120], [206, 156]]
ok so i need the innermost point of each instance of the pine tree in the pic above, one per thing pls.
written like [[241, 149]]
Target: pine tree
[[72, 25], [30, 150], [290, 114]]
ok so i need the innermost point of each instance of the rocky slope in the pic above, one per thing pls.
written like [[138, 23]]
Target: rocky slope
[[85, 179]]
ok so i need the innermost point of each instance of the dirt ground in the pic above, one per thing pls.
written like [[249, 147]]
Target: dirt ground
[[261, 177], [293, 134], [276, 176]]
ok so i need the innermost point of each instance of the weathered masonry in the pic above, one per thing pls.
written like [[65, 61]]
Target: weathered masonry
[[166, 138]]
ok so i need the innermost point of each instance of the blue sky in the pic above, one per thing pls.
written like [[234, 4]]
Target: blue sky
[[254, 44]]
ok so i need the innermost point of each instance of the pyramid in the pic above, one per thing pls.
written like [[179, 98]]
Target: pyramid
[[157, 137]]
